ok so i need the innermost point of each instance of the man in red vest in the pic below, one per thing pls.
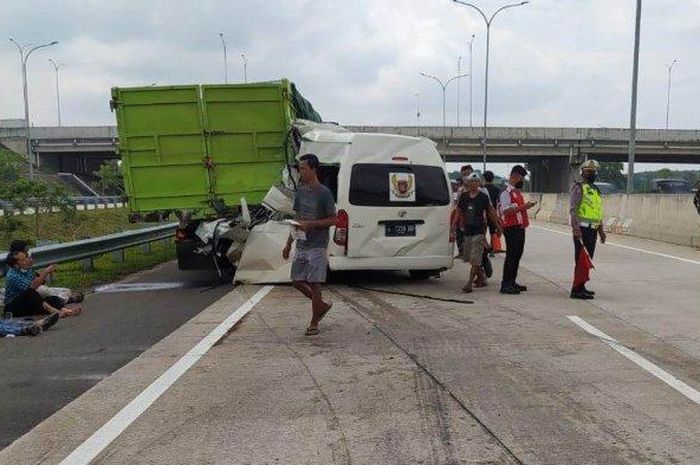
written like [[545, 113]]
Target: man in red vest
[[513, 210]]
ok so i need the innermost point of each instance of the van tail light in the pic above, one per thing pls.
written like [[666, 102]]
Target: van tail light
[[180, 234], [342, 223]]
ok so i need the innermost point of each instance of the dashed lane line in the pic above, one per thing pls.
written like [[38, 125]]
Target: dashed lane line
[[104, 436], [614, 244], [645, 364]]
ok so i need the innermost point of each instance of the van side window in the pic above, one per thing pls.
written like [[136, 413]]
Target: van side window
[[328, 176], [370, 185]]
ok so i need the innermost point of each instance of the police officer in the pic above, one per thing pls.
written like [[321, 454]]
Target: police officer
[[586, 209]]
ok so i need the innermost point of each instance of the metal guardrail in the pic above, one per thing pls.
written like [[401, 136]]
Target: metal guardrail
[[81, 203], [88, 248]]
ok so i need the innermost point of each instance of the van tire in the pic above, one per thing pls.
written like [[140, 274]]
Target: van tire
[[420, 275]]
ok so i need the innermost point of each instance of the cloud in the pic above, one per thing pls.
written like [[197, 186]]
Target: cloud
[[553, 62]]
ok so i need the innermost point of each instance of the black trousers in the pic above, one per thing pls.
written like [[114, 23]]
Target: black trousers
[[28, 303], [515, 245], [589, 239]]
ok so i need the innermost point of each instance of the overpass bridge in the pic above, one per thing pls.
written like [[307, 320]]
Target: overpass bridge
[[550, 152]]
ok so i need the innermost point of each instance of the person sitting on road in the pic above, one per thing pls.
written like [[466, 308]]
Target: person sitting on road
[[21, 296], [56, 296], [10, 327]]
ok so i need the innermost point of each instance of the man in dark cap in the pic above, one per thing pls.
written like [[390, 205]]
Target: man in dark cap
[[513, 209]]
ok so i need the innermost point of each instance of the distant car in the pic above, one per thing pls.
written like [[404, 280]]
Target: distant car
[[671, 186], [606, 187]]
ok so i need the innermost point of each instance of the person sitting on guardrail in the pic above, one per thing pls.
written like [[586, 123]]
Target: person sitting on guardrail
[[21, 283], [12, 328], [51, 294]]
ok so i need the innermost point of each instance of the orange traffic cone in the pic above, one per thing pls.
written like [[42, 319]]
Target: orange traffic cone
[[496, 243]]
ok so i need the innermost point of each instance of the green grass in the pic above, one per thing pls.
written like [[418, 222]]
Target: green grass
[[106, 270], [56, 227]]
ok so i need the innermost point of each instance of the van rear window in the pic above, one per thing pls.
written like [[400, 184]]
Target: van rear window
[[384, 185]]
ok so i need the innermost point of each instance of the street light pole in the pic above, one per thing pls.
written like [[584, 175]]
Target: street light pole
[[245, 67], [417, 95], [25, 92], [633, 106], [443, 85], [223, 45], [668, 94], [471, 42], [488, 22], [459, 71], [56, 67]]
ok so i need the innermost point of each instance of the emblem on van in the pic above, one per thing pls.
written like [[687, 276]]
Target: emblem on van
[[402, 213], [402, 187]]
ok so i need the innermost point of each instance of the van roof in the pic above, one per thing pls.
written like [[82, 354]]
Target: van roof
[[332, 148]]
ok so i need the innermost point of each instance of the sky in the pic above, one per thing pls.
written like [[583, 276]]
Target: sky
[[553, 62]]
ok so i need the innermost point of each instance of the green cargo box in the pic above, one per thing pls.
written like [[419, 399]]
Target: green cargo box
[[200, 148]]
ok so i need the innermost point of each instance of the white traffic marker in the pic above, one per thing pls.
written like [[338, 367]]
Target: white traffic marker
[[658, 254], [663, 375], [104, 436], [137, 287]]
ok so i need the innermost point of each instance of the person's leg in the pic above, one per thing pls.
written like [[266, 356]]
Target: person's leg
[[508, 263], [520, 248], [29, 303], [304, 288], [590, 237], [317, 305]]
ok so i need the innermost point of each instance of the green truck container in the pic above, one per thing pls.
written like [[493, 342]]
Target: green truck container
[[200, 148]]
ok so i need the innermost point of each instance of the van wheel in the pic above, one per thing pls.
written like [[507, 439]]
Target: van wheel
[[423, 274]]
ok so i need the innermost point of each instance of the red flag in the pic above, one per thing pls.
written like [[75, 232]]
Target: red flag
[[583, 267]]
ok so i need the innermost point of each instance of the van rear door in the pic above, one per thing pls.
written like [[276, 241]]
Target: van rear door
[[398, 210]]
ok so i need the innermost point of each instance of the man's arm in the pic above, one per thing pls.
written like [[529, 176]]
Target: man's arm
[[40, 280], [491, 213], [576, 197]]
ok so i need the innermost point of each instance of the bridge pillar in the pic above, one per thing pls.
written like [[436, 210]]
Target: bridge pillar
[[551, 174]]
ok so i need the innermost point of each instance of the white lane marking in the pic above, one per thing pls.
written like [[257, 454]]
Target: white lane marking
[[663, 375], [104, 436], [658, 254], [137, 287]]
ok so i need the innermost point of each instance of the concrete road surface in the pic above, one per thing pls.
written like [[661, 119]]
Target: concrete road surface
[[38, 376], [397, 378]]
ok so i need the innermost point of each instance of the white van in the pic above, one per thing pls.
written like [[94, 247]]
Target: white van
[[393, 200]]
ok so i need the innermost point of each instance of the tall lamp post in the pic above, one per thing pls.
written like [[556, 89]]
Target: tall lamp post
[[223, 45], [57, 67], [245, 67], [488, 22], [633, 106], [417, 95], [668, 93], [471, 42], [24, 52], [459, 71], [443, 85]]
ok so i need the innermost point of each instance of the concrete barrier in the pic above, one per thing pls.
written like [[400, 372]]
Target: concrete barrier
[[661, 217], [549, 203]]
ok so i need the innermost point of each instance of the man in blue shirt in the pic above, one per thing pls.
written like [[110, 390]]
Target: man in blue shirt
[[21, 283]]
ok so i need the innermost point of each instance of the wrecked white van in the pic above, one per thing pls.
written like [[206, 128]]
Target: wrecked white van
[[393, 200]]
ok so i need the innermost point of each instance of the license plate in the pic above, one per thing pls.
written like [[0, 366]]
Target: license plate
[[400, 229]]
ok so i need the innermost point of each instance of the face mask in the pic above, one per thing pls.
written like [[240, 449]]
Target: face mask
[[590, 177], [519, 184]]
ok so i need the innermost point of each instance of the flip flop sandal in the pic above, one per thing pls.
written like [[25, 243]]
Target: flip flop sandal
[[312, 331]]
